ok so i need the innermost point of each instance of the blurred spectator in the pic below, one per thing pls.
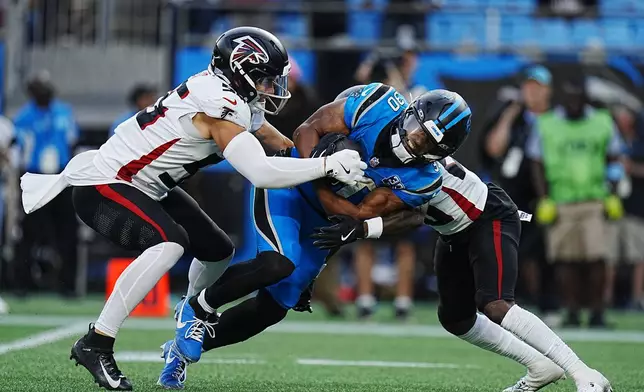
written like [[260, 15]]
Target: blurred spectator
[[506, 131], [141, 96], [575, 149], [393, 68], [631, 235], [303, 103], [46, 133], [8, 185]]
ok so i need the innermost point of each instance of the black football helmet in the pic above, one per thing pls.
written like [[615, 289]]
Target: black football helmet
[[434, 126], [257, 65]]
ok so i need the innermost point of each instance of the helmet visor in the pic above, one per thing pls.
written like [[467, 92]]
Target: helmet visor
[[422, 139], [273, 93]]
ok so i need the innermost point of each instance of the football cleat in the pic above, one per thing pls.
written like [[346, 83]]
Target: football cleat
[[101, 364], [190, 332], [538, 377], [592, 381], [174, 373]]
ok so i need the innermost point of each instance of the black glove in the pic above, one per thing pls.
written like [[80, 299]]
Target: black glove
[[344, 230], [304, 303]]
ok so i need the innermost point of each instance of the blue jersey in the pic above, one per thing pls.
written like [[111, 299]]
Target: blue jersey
[[368, 112], [45, 136]]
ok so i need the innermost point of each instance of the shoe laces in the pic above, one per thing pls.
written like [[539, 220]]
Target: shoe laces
[[179, 372], [198, 327], [109, 363]]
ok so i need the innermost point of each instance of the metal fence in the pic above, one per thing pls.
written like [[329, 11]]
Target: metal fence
[[92, 22]]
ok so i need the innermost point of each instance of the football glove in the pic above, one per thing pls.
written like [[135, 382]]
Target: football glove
[[304, 303], [546, 211], [344, 230], [613, 207]]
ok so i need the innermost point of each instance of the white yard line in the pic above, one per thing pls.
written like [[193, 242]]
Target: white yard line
[[325, 328], [43, 338], [383, 364], [151, 356]]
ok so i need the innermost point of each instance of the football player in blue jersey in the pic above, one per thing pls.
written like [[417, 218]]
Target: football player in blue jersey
[[402, 143]]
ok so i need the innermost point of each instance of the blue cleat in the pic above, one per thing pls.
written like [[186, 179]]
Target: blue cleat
[[190, 332], [174, 373]]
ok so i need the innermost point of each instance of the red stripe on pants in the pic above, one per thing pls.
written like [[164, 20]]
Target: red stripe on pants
[[116, 197], [498, 251]]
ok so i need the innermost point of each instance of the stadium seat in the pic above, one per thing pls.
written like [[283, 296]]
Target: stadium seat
[[618, 33], [621, 7], [292, 26], [364, 26], [517, 31], [584, 32], [449, 30], [638, 40], [553, 34], [379, 5], [465, 5], [221, 24]]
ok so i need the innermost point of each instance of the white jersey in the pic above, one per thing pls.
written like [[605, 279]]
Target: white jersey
[[159, 147], [460, 201]]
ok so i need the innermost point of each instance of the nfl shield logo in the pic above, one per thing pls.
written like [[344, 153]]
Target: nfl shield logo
[[374, 162]]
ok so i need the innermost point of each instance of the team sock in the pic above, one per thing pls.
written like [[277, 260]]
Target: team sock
[[491, 337], [135, 283], [529, 328]]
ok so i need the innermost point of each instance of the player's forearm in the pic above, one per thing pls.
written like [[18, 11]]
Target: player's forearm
[[272, 138], [399, 222], [334, 204], [247, 156], [305, 138]]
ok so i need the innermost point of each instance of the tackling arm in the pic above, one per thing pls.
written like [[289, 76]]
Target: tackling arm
[[246, 155]]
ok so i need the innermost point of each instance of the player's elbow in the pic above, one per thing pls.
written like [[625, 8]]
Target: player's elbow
[[260, 181]]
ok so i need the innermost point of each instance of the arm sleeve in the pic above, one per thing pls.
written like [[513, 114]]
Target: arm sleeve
[[247, 156], [533, 145]]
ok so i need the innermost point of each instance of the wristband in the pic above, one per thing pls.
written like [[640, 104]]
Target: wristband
[[374, 227]]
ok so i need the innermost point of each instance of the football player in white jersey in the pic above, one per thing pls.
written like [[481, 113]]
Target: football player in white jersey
[[475, 264], [126, 190]]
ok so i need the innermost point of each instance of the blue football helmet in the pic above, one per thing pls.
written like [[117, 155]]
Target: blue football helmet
[[433, 127]]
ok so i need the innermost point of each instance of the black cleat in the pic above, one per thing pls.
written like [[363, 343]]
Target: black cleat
[[402, 314], [101, 364], [365, 312]]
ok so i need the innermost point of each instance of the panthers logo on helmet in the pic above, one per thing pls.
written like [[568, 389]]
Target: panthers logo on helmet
[[247, 49]]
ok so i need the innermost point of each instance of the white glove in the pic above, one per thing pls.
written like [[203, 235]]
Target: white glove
[[345, 166]]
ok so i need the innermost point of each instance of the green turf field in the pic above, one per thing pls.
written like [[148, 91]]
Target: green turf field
[[304, 353]]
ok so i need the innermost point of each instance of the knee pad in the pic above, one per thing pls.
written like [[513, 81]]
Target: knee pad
[[456, 322], [275, 266]]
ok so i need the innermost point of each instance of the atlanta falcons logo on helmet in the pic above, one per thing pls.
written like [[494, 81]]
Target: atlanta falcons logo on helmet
[[247, 49]]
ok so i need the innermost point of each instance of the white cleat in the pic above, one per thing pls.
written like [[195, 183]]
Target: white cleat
[[592, 381], [539, 377]]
